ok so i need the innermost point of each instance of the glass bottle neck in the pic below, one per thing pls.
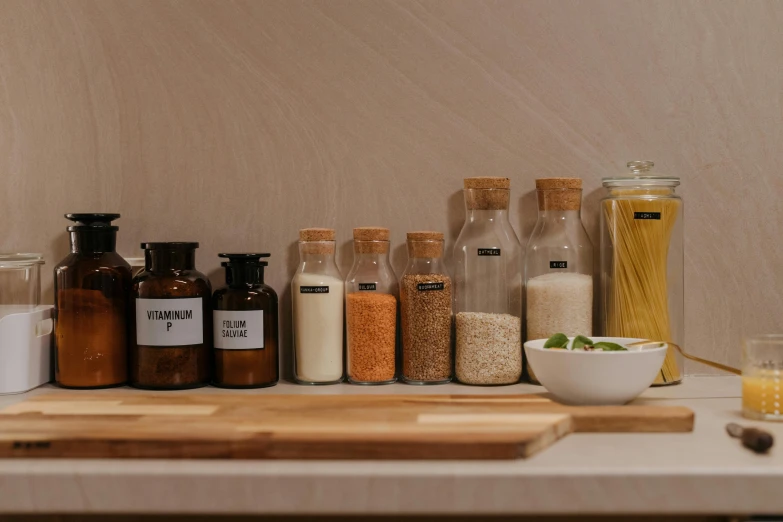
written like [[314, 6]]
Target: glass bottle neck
[[93, 241], [426, 264], [316, 259], [486, 215], [162, 260], [371, 259], [244, 275], [559, 215]]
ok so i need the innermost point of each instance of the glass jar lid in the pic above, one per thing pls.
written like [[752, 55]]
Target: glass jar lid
[[20, 260], [640, 177]]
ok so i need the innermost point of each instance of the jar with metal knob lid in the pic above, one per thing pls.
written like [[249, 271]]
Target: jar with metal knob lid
[[642, 295]]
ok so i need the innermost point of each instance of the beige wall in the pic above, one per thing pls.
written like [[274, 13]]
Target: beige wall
[[237, 123]]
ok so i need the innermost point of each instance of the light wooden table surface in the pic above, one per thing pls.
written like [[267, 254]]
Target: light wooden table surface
[[704, 472]]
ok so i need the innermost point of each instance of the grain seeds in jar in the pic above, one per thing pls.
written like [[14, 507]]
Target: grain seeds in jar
[[371, 291], [425, 306]]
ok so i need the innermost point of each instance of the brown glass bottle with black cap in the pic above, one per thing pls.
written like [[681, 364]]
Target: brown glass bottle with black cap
[[245, 325], [91, 289], [171, 342]]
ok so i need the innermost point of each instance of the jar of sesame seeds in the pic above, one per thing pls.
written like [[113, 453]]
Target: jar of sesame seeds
[[425, 310], [488, 287], [371, 292]]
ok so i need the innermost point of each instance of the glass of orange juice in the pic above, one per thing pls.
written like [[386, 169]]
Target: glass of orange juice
[[762, 377]]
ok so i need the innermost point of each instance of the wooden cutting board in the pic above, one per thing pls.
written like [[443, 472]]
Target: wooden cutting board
[[242, 426]]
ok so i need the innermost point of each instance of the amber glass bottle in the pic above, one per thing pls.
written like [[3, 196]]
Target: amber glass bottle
[[172, 339], [91, 288], [245, 326]]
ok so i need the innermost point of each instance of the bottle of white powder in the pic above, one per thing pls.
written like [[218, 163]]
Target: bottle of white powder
[[318, 300]]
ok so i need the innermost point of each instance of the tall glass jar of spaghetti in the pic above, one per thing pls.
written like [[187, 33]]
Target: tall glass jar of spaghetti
[[642, 262]]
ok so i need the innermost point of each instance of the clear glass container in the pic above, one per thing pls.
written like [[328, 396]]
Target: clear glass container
[[558, 265], [642, 262], [488, 287], [20, 283], [426, 312], [318, 292], [762, 369], [371, 292]]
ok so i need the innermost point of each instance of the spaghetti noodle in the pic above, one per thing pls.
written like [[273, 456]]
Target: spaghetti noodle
[[640, 229]]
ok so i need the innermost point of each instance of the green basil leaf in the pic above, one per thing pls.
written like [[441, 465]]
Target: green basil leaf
[[557, 341], [610, 347], [581, 341]]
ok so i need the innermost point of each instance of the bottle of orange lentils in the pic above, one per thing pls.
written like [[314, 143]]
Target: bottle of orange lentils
[[371, 292]]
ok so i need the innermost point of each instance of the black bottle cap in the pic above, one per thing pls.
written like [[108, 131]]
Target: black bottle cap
[[92, 221], [92, 233], [170, 245], [244, 269]]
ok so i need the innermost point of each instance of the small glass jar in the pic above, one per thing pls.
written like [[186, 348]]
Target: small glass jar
[[762, 372], [20, 283], [488, 287], [91, 290], [371, 309], [171, 345], [558, 265], [318, 292], [425, 311], [244, 315], [642, 262]]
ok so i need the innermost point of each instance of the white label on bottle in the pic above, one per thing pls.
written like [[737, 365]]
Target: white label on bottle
[[238, 330], [169, 322]]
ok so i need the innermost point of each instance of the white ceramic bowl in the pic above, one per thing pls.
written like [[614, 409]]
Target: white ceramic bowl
[[596, 377]]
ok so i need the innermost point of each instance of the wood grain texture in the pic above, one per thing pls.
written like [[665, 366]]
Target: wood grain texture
[[239, 426], [237, 123]]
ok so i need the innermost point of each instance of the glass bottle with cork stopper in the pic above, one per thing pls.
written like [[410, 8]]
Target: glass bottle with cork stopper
[[91, 289], [488, 287], [171, 344], [244, 314], [641, 222], [425, 306], [318, 292], [371, 291], [558, 265]]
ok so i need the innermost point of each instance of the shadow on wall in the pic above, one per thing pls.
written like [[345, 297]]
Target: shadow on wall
[[455, 212], [61, 246], [528, 215], [285, 316], [592, 203]]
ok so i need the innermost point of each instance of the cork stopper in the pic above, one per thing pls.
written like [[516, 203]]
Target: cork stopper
[[487, 182], [317, 234], [559, 193], [487, 193], [425, 244], [371, 240], [317, 241]]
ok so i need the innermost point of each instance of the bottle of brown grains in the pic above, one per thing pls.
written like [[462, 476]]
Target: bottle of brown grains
[[172, 339], [425, 305], [371, 291]]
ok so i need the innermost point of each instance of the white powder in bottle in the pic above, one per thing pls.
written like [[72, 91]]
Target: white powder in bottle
[[559, 303], [318, 327]]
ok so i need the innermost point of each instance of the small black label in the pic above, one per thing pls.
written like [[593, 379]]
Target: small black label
[[426, 287], [366, 286], [647, 215], [558, 264], [489, 251], [313, 289]]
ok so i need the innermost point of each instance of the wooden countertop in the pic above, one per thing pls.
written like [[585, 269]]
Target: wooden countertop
[[703, 472]]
